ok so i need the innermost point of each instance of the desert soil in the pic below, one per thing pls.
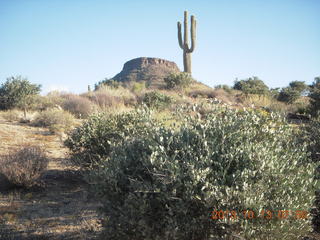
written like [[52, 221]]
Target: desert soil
[[60, 208]]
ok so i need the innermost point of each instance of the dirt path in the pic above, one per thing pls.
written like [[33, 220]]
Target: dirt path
[[61, 209]]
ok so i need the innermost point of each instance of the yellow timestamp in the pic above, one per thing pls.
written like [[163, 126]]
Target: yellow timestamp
[[264, 214]]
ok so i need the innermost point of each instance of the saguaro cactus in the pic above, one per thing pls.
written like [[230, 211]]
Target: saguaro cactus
[[185, 43]]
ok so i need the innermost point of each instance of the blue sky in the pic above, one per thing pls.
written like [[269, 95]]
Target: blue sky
[[68, 44]]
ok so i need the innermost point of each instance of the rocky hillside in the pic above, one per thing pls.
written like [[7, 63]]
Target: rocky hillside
[[150, 70]]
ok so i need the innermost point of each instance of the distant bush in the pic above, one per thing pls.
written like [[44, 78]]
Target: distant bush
[[251, 86], [94, 140], [138, 87], [51, 100], [105, 100], [107, 82], [18, 92], [225, 87], [178, 80], [219, 94], [107, 96], [165, 185], [292, 93], [79, 106], [157, 100], [315, 97], [23, 167], [56, 120]]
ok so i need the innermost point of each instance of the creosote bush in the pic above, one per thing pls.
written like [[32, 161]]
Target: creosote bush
[[157, 100], [95, 139], [80, 106], [178, 80], [23, 167], [163, 183], [56, 120]]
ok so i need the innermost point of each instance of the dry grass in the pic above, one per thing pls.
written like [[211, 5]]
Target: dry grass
[[56, 120], [61, 209], [79, 106], [16, 115]]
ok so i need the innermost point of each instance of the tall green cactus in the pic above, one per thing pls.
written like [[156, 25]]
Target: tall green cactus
[[185, 43]]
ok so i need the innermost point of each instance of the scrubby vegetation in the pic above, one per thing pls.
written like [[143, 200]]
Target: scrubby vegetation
[[157, 100], [79, 106], [157, 182], [252, 85], [18, 92], [23, 167], [94, 140], [56, 120], [161, 160], [179, 80], [315, 97]]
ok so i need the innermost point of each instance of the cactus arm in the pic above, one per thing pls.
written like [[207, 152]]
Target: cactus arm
[[193, 34], [180, 36], [186, 40]]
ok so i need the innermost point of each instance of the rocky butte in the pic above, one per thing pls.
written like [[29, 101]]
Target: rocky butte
[[150, 70]]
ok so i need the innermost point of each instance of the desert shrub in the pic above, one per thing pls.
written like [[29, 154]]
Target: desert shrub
[[51, 100], [138, 87], [12, 115], [312, 130], [289, 95], [81, 107], [219, 93], [94, 139], [18, 92], [251, 86], [23, 167], [105, 100], [178, 80], [113, 96], [157, 100], [56, 120], [225, 87], [107, 82], [293, 92], [165, 185], [311, 134], [315, 97]]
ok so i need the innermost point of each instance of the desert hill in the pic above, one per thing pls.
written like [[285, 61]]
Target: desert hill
[[150, 70]]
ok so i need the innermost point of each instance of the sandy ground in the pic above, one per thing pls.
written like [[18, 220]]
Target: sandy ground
[[60, 208]]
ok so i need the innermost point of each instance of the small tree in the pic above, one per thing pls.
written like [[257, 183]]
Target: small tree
[[251, 86], [178, 80], [299, 86], [18, 92], [292, 93], [315, 96]]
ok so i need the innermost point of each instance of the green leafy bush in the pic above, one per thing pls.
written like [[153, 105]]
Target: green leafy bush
[[178, 80], [56, 120], [157, 100], [138, 87], [95, 139], [23, 167], [18, 92], [165, 185], [312, 135], [288, 95], [315, 97], [251, 86]]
